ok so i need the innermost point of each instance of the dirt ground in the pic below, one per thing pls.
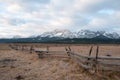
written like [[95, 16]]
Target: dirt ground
[[23, 65]]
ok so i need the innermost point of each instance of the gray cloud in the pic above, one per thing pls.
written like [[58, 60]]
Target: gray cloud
[[32, 17]]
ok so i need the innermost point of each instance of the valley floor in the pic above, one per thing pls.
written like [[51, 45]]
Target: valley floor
[[19, 65]]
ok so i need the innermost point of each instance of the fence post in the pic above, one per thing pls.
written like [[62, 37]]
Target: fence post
[[96, 58], [90, 52], [41, 55], [97, 51], [68, 53], [47, 49], [22, 47], [31, 49], [69, 48]]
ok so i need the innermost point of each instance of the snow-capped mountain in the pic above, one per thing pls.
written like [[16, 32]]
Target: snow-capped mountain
[[79, 34], [113, 35], [59, 33], [86, 34], [66, 36]]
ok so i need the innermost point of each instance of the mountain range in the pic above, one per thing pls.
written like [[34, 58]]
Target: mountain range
[[79, 34], [66, 36]]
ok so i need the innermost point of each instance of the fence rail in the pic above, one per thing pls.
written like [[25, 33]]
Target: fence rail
[[89, 62]]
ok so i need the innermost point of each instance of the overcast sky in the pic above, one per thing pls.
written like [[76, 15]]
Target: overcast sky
[[32, 17]]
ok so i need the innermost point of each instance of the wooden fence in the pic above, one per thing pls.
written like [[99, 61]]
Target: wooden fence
[[89, 62]]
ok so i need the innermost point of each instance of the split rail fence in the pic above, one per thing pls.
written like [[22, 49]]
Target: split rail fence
[[93, 63]]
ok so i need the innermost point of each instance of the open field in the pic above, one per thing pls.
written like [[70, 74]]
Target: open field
[[23, 65]]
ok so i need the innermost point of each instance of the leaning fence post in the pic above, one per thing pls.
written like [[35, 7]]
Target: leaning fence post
[[96, 58], [68, 53], [47, 49], [97, 50], [22, 47], [90, 52], [31, 49], [69, 48], [41, 55]]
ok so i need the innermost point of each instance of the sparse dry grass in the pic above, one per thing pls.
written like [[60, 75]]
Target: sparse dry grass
[[25, 66]]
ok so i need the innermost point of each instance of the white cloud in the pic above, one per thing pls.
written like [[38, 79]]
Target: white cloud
[[29, 17], [14, 8]]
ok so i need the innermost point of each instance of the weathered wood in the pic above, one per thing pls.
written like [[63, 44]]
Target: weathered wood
[[92, 62], [41, 55], [69, 48], [100, 57], [109, 63], [80, 63], [31, 49], [47, 49], [97, 50], [86, 61], [57, 52], [67, 51], [90, 50]]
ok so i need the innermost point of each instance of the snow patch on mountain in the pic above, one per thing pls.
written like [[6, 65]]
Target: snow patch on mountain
[[80, 34], [59, 33], [113, 35]]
